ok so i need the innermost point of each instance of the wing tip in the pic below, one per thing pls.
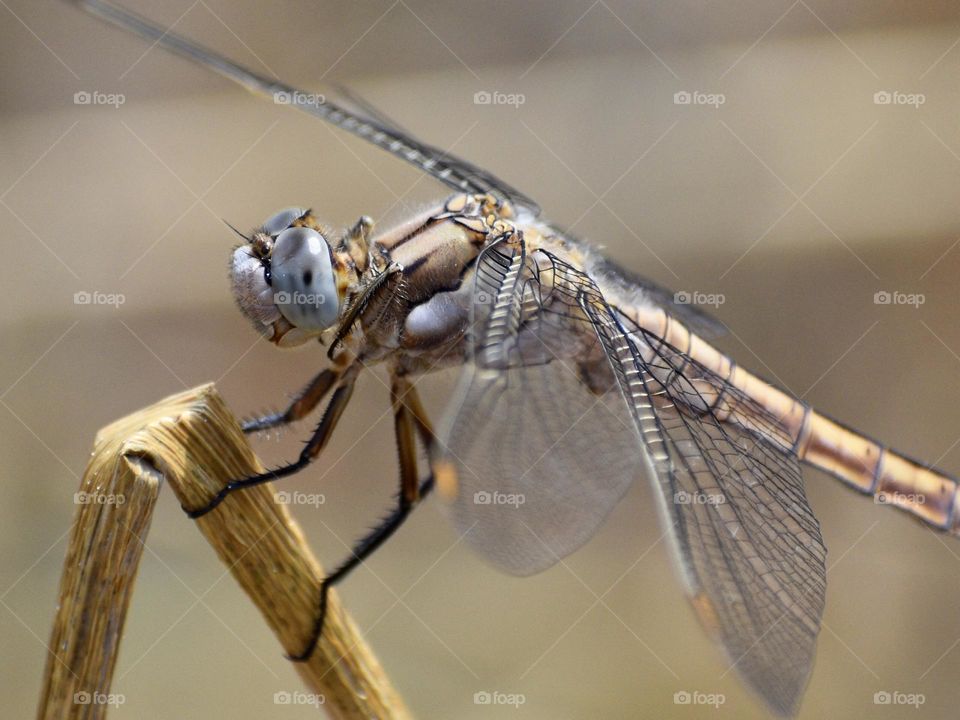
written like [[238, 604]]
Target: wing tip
[[781, 694]]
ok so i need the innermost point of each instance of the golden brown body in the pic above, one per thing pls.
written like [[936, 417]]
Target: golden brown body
[[437, 251], [860, 462]]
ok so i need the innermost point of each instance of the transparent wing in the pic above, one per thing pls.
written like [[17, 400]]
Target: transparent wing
[[605, 270], [452, 171], [538, 432], [692, 316], [748, 544], [366, 108], [536, 415]]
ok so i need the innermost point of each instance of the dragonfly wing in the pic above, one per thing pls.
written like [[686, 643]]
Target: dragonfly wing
[[537, 416], [692, 316], [541, 456], [748, 543], [449, 169]]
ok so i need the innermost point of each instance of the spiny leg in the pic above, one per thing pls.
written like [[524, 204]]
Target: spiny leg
[[311, 450], [408, 416], [393, 274], [409, 396], [302, 405]]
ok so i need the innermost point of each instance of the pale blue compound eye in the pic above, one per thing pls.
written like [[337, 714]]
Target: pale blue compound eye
[[303, 281], [278, 222]]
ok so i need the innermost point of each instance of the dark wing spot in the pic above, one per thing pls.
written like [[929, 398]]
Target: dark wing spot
[[307, 277]]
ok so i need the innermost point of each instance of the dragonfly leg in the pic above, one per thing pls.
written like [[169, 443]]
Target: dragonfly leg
[[300, 407], [408, 417], [357, 242], [387, 280], [311, 450], [411, 399]]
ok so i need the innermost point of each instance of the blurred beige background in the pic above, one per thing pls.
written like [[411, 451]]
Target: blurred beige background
[[797, 199]]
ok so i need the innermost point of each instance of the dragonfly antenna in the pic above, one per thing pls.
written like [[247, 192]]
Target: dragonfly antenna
[[236, 231]]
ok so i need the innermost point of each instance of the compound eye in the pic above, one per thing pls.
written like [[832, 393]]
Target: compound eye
[[278, 222], [303, 281]]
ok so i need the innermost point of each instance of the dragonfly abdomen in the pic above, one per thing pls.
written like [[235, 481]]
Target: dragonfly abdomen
[[713, 383], [874, 469]]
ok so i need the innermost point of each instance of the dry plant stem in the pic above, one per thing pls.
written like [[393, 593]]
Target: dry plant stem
[[196, 445], [114, 506]]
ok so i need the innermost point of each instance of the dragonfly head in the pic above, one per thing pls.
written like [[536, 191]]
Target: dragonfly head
[[287, 280]]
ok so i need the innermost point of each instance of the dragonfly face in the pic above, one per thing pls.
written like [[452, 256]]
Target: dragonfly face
[[285, 278]]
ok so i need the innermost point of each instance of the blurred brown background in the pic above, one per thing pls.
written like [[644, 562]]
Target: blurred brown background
[[797, 199]]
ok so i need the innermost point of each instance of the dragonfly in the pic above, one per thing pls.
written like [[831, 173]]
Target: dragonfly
[[578, 378]]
